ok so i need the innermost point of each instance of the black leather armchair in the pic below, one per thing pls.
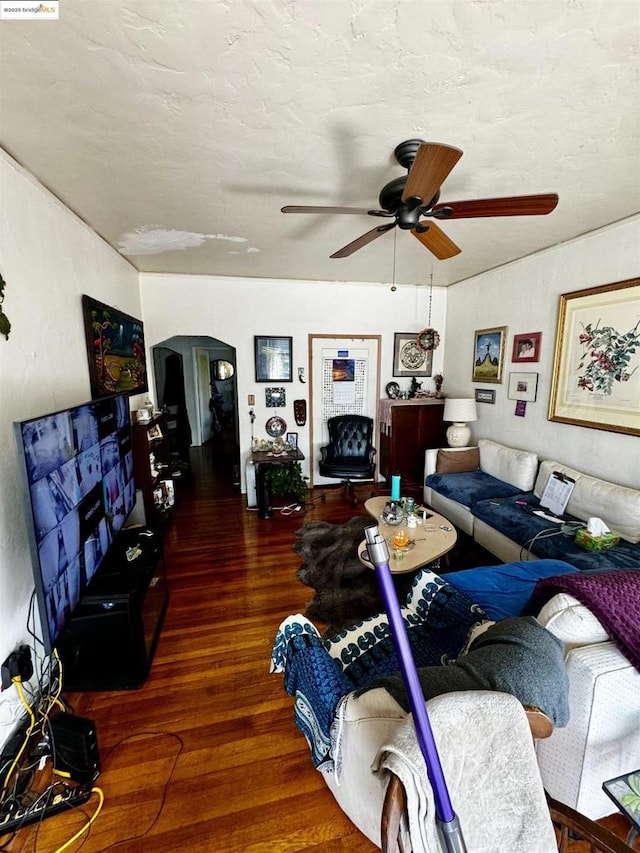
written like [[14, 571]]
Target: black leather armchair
[[350, 454]]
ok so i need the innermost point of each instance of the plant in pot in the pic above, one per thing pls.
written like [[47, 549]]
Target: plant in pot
[[287, 481]]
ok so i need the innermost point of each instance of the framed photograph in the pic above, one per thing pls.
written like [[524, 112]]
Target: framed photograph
[[596, 370], [488, 354], [115, 349], [272, 358], [485, 395], [523, 386], [292, 439], [526, 347], [409, 359]]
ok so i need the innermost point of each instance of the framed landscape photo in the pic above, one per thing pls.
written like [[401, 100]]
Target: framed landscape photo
[[115, 349], [488, 354], [409, 359], [272, 358], [596, 371], [526, 347], [523, 386]]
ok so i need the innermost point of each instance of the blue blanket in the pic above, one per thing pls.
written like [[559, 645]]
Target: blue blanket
[[318, 673]]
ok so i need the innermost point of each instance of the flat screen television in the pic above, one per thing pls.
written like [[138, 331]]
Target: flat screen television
[[77, 466]]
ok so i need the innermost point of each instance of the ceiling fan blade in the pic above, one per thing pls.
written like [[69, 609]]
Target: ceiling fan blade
[[298, 208], [437, 241], [430, 168], [517, 205], [363, 240]]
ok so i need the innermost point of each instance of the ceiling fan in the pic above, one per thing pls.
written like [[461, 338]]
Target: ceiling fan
[[409, 198]]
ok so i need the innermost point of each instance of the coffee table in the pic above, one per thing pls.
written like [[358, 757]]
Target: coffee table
[[433, 538]]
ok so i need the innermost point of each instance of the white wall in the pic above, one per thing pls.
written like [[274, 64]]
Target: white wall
[[524, 296], [48, 258], [234, 310]]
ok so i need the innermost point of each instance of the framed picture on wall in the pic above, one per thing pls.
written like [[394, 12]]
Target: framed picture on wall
[[409, 359], [596, 371], [523, 386], [272, 358], [488, 354], [115, 349], [526, 347]]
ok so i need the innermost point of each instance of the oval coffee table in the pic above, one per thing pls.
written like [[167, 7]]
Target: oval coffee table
[[433, 538]]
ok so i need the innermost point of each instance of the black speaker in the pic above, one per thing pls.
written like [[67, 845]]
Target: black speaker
[[74, 746]]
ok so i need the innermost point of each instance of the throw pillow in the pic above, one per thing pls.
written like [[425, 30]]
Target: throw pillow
[[457, 461]]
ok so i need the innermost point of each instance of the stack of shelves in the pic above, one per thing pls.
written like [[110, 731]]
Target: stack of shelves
[[152, 469]]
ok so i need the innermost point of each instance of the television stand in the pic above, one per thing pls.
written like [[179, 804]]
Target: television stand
[[111, 637]]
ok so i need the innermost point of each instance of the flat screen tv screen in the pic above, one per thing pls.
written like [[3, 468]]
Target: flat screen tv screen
[[78, 473]]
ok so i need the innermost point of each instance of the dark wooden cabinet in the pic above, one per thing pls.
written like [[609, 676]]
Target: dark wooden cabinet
[[407, 429], [152, 469]]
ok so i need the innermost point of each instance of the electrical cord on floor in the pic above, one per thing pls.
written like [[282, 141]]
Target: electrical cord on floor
[[291, 509], [180, 743], [85, 827]]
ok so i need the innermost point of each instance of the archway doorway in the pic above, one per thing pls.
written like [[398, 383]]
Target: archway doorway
[[210, 394]]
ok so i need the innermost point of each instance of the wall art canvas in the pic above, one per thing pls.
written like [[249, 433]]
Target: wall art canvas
[[273, 358], [409, 359], [596, 379], [488, 354], [115, 349]]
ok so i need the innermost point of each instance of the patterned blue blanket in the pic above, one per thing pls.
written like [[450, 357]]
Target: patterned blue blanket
[[318, 673]]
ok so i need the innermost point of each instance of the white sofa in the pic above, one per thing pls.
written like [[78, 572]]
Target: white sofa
[[601, 741], [520, 471]]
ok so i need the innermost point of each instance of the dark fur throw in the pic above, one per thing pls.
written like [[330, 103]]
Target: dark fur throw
[[345, 591]]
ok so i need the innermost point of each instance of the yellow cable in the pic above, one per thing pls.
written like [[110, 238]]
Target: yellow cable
[[86, 826], [18, 683]]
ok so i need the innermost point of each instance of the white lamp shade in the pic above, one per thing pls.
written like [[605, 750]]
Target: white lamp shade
[[459, 410]]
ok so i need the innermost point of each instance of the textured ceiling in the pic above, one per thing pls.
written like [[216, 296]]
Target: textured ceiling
[[178, 130]]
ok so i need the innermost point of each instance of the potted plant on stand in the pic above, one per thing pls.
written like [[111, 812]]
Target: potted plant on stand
[[287, 481]]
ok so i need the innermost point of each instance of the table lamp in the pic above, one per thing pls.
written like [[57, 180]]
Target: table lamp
[[459, 411]]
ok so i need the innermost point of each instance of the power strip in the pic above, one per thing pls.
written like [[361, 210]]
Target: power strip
[[20, 816]]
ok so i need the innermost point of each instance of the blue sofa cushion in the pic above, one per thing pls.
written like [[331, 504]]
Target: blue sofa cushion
[[470, 487], [507, 590], [546, 539]]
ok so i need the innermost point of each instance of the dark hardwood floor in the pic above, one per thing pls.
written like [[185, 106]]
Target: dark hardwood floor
[[205, 756]]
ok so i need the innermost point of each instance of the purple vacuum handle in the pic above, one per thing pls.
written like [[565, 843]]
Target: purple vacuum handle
[[379, 556]]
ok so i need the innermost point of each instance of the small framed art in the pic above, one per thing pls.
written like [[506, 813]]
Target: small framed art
[[526, 347], [488, 354], [292, 439], [485, 395], [523, 386]]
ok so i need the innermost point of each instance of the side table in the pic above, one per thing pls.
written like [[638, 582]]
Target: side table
[[625, 792], [261, 459]]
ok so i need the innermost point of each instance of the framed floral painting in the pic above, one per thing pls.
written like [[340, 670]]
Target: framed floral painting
[[596, 378]]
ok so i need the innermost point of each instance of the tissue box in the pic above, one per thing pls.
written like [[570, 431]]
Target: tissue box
[[596, 543]]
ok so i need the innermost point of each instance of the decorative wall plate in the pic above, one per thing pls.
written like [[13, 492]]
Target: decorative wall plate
[[393, 390], [276, 427]]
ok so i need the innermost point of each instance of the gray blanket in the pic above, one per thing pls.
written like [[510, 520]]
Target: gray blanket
[[516, 656]]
